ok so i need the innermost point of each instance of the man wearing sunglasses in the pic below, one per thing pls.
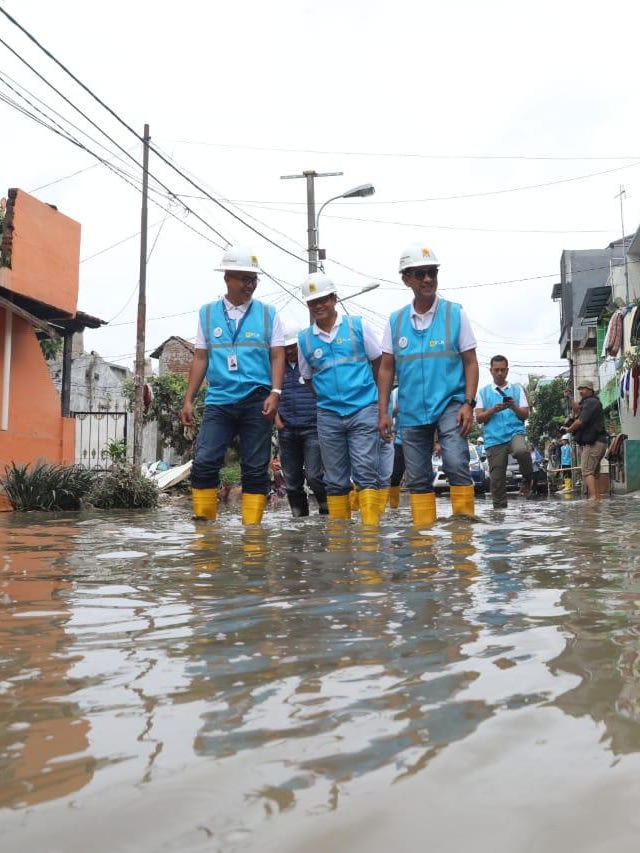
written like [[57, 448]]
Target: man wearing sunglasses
[[432, 348], [240, 350], [339, 357]]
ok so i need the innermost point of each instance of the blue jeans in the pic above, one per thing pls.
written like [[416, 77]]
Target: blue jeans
[[350, 447], [417, 444], [300, 457], [219, 427], [385, 465]]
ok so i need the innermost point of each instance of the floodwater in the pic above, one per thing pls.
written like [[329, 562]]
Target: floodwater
[[312, 686]]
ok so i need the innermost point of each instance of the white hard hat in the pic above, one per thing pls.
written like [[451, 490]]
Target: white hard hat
[[239, 259], [290, 335], [480, 440], [317, 284], [417, 255], [566, 437]]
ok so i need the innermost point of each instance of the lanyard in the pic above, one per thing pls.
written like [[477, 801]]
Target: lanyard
[[234, 335]]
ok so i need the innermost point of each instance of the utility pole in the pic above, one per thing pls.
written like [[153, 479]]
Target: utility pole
[[138, 408], [621, 195], [312, 228]]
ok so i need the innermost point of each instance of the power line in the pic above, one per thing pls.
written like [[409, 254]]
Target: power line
[[402, 154], [151, 147], [113, 142]]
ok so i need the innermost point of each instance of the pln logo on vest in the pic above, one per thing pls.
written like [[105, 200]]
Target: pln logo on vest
[[435, 343], [249, 334]]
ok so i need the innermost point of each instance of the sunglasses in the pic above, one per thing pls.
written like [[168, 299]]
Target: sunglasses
[[320, 300], [424, 272]]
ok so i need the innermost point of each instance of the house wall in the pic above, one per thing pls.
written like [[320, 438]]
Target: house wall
[[41, 247], [175, 358], [36, 428]]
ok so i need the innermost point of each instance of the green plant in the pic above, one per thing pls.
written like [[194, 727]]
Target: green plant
[[166, 406], [548, 410], [230, 474], [51, 347], [116, 450], [45, 486], [123, 487]]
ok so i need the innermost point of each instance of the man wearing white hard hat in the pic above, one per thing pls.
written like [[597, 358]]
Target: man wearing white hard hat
[[339, 355], [431, 346], [240, 350], [297, 425]]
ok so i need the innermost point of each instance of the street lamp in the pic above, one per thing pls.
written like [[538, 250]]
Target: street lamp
[[312, 220], [361, 191], [365, 289]]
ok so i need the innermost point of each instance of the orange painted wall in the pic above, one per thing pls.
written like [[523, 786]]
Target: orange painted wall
[[36, 428], [45, 254]]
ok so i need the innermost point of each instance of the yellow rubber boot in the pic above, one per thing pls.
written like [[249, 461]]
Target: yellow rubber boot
[[339, 506], [568, 485], [463, 500], [383, 498], [205, 503], [369, 506], [423, 509], [252, 508], [394, 497], [354, 499]]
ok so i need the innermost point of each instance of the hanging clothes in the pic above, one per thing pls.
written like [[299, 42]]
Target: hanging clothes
[[613, 339]]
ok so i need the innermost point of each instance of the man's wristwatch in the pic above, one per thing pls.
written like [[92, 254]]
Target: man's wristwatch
[[470, 402], [277, 391]]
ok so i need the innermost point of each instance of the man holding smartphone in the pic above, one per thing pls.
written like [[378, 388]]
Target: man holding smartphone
[[502, 410]]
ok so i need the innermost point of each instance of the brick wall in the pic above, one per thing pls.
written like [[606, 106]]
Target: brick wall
[[175, 358]]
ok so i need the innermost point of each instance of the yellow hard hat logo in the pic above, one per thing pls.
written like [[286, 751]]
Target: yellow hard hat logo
[[312, 287], [426, 253], [254, 260]]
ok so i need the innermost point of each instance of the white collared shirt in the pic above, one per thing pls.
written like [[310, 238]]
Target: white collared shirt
[[370, 335], [466, 338], [237, 312]]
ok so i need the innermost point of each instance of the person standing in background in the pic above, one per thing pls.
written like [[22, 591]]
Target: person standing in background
[[297, 425], [502, 410], [590, 432]]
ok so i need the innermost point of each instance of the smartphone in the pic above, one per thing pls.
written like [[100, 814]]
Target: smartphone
[[505, 397]]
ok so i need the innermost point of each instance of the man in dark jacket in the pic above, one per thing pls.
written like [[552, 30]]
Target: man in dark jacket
[[296, 423], [589, 431]]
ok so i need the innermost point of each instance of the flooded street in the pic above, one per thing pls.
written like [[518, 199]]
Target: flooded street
[[310, 686]]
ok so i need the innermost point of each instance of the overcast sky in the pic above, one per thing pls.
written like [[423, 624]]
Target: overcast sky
[[496, 133]]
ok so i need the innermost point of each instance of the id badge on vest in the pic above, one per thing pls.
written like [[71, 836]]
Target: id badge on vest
[[232, 362]]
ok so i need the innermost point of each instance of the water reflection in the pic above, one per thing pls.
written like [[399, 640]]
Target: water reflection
[[44, 740], [136, 647]]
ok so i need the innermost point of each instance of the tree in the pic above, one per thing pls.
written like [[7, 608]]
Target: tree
[[548, 408], [165, 408]]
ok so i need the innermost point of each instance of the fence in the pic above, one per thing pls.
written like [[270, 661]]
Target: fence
[[94, 432]]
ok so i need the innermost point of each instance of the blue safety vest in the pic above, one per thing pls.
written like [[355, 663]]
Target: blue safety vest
[[502, 426], [342, 376], [428, 363], [247, 343]]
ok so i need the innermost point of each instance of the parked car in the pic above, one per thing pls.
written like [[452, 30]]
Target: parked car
[[514, 477], [476, 469]]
